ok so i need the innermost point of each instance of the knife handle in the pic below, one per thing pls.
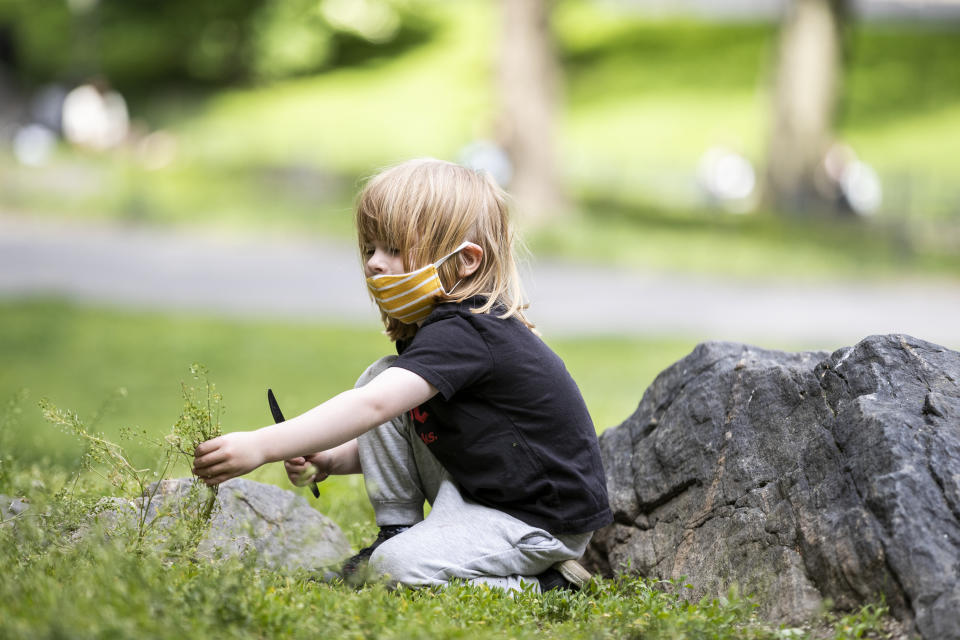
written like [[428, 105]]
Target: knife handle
[[278, 418]]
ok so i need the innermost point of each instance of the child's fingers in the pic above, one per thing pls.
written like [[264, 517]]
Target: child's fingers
[[294, 476], [208, 460], [206, 447], [294, 466], [214, 481], [294, 473], [211, 464], [210, 473]]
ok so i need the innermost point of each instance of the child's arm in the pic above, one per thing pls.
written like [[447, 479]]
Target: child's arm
[[336, 421]]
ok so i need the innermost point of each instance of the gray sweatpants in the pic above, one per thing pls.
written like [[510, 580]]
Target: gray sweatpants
[[459, 538]]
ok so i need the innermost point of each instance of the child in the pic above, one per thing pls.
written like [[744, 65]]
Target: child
[[476, 415]]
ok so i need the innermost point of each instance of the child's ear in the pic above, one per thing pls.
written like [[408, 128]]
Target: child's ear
[[470, 257]]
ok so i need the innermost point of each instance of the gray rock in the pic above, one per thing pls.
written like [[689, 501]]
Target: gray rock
[[797, 476], [11, 507], [281, 526]]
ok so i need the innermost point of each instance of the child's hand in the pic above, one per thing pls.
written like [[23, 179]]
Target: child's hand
[[306, 469], [228, 456]]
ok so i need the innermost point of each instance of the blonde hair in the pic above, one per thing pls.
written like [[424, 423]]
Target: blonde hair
[[425, 208]]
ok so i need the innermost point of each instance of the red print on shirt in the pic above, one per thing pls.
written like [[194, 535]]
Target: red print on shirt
[[428, 438], [419, 415]]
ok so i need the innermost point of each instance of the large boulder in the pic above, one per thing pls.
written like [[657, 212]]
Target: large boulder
[[798, 477]]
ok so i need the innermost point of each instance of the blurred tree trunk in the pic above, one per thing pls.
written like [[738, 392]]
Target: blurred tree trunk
[[808, 84], [529, 82]]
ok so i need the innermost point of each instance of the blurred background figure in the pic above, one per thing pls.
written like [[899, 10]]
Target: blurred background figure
[[46, 107], [727, 179], [853, 184], [95, 117], [33, 144]]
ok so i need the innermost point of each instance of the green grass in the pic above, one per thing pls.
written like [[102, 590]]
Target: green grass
[[97, 588]]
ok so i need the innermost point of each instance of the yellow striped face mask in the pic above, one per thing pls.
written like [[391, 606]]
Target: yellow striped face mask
[[410, 297]]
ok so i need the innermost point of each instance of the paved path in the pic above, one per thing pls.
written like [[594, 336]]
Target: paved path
[[310, 278]]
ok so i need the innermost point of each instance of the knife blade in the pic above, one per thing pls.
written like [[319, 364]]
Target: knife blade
[[278, 418]]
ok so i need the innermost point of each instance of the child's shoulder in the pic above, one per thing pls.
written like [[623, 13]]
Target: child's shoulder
[[458, 322], [466, 309]]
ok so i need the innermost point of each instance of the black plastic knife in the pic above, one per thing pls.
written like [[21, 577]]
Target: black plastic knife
[[278, 418]]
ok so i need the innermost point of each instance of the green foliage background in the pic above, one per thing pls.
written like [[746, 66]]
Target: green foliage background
[[141, 45]]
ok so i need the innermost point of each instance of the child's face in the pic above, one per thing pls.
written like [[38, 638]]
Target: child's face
[[380, 259]]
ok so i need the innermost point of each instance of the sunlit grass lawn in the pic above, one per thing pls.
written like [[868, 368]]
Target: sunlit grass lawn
[[77, 357]]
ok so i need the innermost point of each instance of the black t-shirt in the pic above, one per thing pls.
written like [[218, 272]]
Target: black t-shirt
[[508, 423]]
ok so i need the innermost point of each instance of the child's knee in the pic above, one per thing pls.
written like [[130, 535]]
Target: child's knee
[[375, 369], [400, 564]]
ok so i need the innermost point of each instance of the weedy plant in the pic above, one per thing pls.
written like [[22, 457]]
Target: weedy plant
[[199, 420], [108, 461]]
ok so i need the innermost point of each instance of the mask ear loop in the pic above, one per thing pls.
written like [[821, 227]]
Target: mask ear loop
[[463, 245]]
